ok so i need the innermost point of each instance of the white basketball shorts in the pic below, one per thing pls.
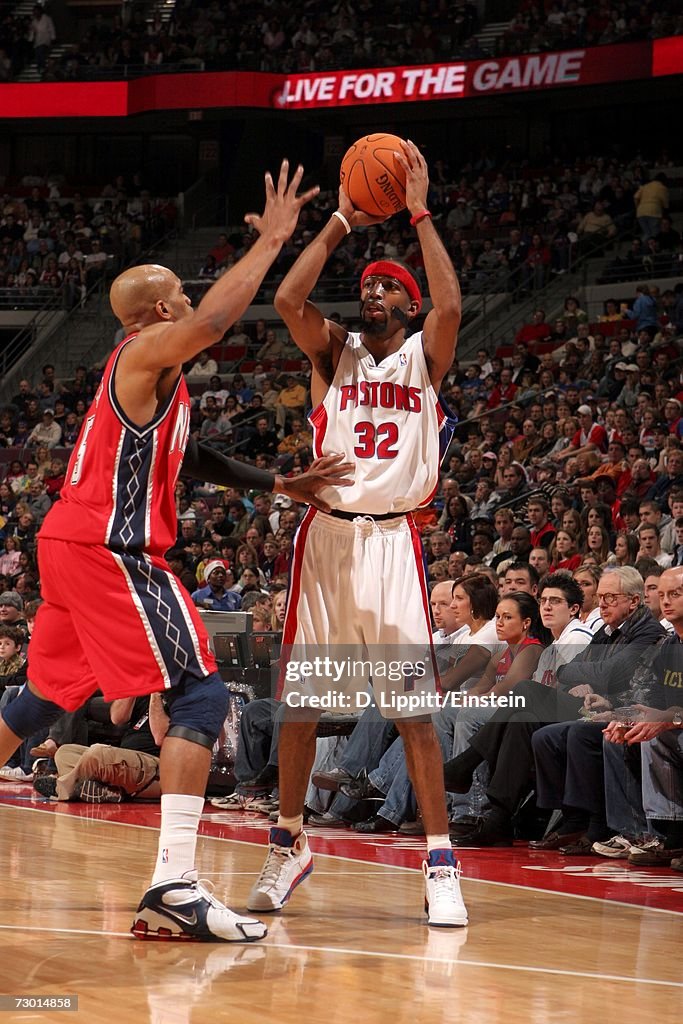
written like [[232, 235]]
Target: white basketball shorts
[[359, 604]]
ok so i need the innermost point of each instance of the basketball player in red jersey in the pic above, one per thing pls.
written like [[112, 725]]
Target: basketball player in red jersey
[[357, 575], [114, 617]]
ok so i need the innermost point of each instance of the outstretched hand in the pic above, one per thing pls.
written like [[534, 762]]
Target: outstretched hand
[[283, 205], [327, 471]]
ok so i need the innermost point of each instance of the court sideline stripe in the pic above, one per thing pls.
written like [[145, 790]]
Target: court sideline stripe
[[359, 951]]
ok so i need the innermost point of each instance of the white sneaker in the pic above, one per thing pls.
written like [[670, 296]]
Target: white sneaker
[[620, 847], [444, 904], [228, 803], [184, 908], [15, 774], [285, 868]]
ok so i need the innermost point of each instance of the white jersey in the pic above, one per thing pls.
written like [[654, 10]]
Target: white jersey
[[387, 419]]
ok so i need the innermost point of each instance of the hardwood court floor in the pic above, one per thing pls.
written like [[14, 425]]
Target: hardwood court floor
[[351, 948]]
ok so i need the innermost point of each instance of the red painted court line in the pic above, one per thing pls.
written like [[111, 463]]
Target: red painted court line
[[599, 878]]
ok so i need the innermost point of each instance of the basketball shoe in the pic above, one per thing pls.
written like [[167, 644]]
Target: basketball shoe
[[184, 908], [288, 864], [444, 904]]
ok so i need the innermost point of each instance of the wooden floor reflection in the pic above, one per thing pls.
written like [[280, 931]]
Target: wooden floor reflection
[[352, 946]]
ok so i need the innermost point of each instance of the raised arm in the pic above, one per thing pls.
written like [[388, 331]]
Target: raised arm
[[440, 331], [173, 340], [318, 338]]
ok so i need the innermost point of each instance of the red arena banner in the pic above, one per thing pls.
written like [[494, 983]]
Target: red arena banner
[[416, 83], [461, 81], [667, 56]]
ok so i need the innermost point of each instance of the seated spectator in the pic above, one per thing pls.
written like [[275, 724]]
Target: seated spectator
[[46, 432], [648, 537], [590, 437], [537, 330], [272, 348], [290, 402], [504, 392], [12, 661], [214, 595], [106, 774], [204, 366]]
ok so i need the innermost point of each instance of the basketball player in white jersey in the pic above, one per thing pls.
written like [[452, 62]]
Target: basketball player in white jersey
[[357, 575]]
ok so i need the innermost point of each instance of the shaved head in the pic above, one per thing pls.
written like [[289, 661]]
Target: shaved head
[[135, 293]]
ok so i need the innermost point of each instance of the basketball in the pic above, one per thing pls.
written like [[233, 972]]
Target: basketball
[[372, 177]]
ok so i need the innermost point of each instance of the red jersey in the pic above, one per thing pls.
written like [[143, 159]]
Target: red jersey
[[503, 666], [120, 482]]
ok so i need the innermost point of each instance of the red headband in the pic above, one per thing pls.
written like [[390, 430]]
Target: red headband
[[387, 268]]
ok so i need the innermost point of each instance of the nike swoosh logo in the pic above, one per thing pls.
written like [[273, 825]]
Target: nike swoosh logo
[[179, 916]]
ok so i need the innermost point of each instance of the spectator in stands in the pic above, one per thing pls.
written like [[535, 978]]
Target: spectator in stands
[[46, 432], [103, 773], [214, 595], [542, 530], [652, 202], [589, 438], [42, 35], [204, 367], [595, 228], [538, 330], [272, 348], [290, 402]]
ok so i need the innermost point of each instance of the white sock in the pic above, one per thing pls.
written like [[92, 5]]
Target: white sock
[[293, 825], [438, 843], [178, 835]]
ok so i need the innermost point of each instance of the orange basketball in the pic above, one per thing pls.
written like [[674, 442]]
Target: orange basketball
[[372, 177]]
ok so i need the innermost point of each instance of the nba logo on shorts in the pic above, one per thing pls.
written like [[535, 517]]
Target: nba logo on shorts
[[164, 856], [403, 359]]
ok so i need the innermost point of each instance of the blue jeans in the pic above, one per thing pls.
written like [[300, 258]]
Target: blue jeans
[[623, 789], [662, 764], [649, 226], [467, 723], [367, 743]]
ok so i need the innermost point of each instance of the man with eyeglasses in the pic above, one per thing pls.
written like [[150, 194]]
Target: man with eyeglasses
[[502, 736], [615, 670], [659, 735]]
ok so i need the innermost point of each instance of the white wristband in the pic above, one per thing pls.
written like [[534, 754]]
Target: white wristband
[[342, 218]]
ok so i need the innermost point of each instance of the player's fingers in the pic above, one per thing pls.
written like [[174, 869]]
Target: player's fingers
[[296, 180], [270, 188], [252, 219], [327, 460], [306, 197], [282, 180], [405, 158]]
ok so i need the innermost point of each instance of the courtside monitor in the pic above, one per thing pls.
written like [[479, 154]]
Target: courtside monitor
[[230, 634]]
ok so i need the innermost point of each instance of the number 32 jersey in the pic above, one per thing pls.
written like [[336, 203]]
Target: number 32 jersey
[[389, 421]]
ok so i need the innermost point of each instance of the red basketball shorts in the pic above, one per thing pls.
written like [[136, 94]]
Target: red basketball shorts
[[120, 623]]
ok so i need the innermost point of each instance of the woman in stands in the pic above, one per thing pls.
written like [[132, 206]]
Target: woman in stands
[[597, 543], [571, 521], [572, 314], [588, 577], [9, 560], [626, 548], [517, 624], [456, 523], [279, 609], [598, 515], [564, 552]]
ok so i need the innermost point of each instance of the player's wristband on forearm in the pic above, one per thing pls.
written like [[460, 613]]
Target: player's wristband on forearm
[[215, 468], [340, 217]]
